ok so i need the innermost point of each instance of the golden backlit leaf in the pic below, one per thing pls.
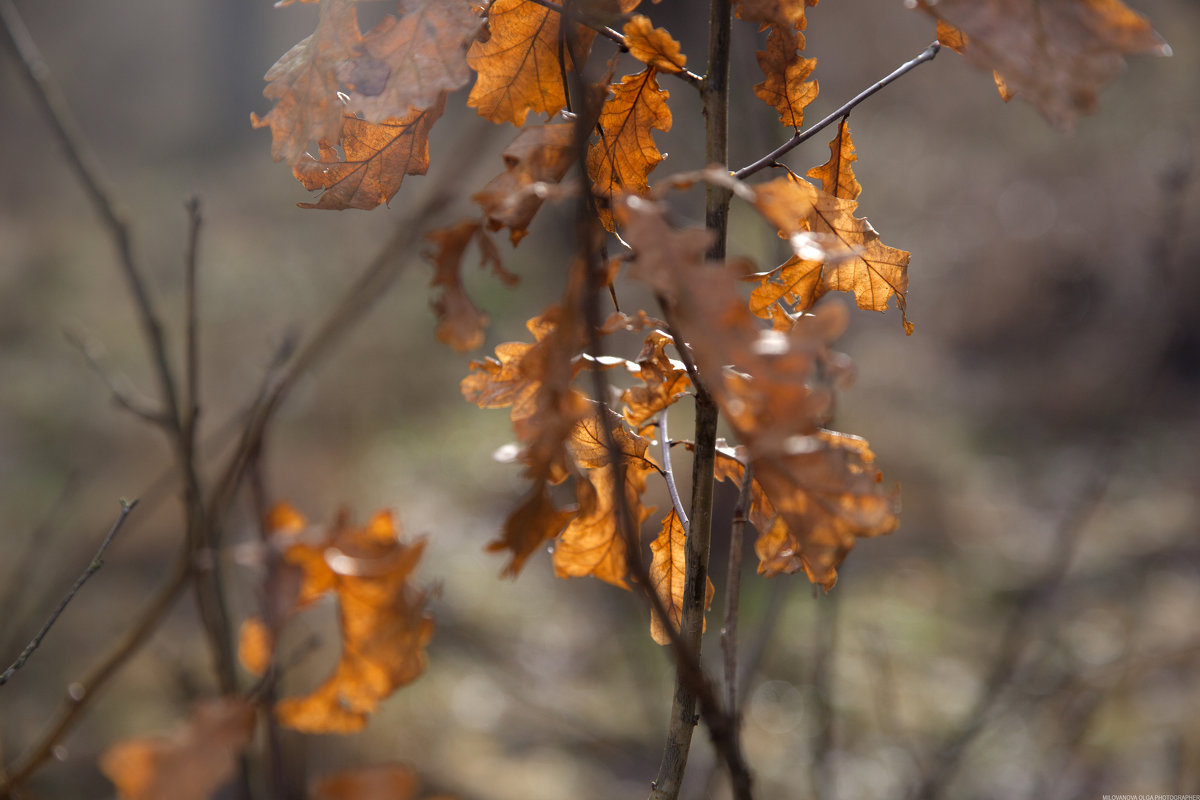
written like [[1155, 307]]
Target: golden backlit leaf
[[862, 264], [623, 155], [664, 381], [304, 84], [950, 36], [797, 282], [375, 160], [383, 623], [668, 570], [407, 62], [284, 519], [377, 782], [256, 645], [1056, 55], [518, 65], [784, 13], [837, 174], [540, 156], [593, 542], [653, 46], [786, 88], [192, 763], [534, 523]]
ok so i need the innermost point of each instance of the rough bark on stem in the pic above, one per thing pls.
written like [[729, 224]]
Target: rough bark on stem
[[683, 708]]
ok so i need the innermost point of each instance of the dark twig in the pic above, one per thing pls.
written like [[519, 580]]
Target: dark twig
[[822, 688], [664, 443], [733, 590], [802, 136], [122, 396], [92, 568], [191, 335]]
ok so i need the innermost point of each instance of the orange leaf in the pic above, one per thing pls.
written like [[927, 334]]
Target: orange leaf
[[863, 265], [408, 62], [536, 521], [256, 644], [664, 379], [384, 626], [786, 88], [668, 569], [518, 65], [284, 519], [837, 174], [377, 157], [653, 46], [192, 763], [380, 782], [1056, 55], [593, 543], [304, 84], [625, 153], [784, 13], [540, 155]]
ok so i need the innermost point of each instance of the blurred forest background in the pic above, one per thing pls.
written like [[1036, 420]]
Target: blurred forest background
[[1029, 632]]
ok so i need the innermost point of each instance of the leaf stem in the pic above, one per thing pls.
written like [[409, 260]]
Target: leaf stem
[[800, 137]]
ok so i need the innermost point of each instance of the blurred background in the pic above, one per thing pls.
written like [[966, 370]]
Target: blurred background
[[1030, 631]]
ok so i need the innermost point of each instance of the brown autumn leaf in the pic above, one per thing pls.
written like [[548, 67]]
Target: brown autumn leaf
[[304, 84], [376, 158], [667, 573], [377, 782], [190, 764], [653, 46], [862, 263], [539, 157], [1056, 55], [837, 174], [784, 13], [593, 542], [518, 65], [460, 323], [382, 616], [664, 381], [786, 88], [623, 155], [256, 645], [408, 61]]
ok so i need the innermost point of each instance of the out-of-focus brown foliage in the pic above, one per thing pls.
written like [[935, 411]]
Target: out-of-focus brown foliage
[[190, 764], [1055, 55]]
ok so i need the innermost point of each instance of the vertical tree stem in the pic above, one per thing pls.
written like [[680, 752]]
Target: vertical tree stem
[[683, 708]]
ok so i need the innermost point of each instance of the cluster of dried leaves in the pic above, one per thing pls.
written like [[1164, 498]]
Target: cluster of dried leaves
[[369, 101]]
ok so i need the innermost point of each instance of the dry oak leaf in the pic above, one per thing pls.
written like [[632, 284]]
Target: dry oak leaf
[[594, 542], [623, 155], [863, 264], [377, 157], [382, 617], [518, 65], [668, 568], [786, 88], [304, 84], [460, 323], [827, 495], [784, 13], [1056, 54], [837, 174], [407, 62], [192, 763], [539, 157], [653, 46], [664, 381]]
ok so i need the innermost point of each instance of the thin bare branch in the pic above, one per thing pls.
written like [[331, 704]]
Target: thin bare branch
[[664, 443], [733, 590], [121, 395], [92, 568], [800, 137]]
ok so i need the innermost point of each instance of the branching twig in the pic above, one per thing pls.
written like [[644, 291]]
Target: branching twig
[[120, 395], [802, 136], [664, 442], [92, 569]]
